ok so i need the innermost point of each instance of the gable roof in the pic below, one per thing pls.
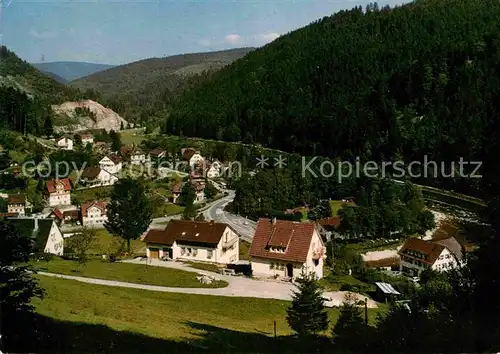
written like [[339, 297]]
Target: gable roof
[[97, 203], [16, 199], [188, 232], [333, 221], [157, 152], [51, 185], [91, 172], [57, 213], [177, 188], [26, 226], [431, 250], [115, 158], [188, 153], [73, 214], [452, 245], [295, 236]]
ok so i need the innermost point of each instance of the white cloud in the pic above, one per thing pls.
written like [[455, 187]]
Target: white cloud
[[205, 42], [268, 37], [41, 35], [233, 38]]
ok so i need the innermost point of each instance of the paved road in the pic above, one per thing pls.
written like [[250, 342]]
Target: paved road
[[243, 226], [237, 286]]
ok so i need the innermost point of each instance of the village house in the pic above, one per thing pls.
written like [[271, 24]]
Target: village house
[[201, 241], [200, 192], [94, 213], [417, 255], [17, 203], [95, 177], [45, 232], [213, 170], [176, 191], [65, 215], [111, 163], [192, 157], [157, 154], [285, 249], [64, 143], [138, 157], [86, 138], [59, 192]]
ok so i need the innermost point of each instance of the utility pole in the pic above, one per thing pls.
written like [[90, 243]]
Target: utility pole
[[274, 329]]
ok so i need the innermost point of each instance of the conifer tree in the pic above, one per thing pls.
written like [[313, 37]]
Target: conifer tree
[[307, 315]]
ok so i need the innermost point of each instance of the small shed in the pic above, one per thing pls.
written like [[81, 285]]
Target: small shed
[[386, 291]]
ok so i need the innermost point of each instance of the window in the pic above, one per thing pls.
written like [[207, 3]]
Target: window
[[195, 252], [316, 262], [183, 251], [210, 254], [271, 266]]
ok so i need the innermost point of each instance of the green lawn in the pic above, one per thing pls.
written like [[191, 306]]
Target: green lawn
[[335, 205], [335, 282], [128, 138], [132, 273], [166, 210], [368, 246], [107, 243], [90, 194], [79, 317]]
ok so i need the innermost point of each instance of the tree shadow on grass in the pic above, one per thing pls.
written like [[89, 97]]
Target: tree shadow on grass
[[55, 336]]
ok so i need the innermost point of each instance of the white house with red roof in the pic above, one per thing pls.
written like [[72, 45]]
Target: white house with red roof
[[285, 249], [94, 213], [59, 192]]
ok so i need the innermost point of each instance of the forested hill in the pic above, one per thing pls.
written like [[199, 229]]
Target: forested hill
[[26, 95], [420, 79], [15, 72], [143, 88]]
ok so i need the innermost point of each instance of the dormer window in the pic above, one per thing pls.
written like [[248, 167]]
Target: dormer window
[[277, 249]]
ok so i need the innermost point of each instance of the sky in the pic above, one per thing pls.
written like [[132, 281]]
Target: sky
[[121, 31]]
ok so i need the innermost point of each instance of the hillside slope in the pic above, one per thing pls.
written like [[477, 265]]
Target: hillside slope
[[419, 80], [71, 70], [144, 87], [15, 70]]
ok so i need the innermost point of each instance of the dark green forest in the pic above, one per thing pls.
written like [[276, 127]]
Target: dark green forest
[[380, 83], [26, 95]]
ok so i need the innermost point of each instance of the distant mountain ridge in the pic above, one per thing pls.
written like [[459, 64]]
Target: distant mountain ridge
[[71, 70], [144, 87]]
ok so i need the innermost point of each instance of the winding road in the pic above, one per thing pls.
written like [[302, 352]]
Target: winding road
[[243, 226]]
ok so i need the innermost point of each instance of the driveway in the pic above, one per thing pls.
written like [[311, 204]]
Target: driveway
[[240, 286]]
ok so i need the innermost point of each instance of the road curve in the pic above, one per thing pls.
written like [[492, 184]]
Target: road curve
[[243, 226]]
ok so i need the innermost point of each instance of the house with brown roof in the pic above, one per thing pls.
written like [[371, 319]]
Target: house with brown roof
[[417, 255], [112, 164], [201, 241], [94, 213], [157, 154], [176, 191], [59, 192], [192, 156], [95, 177], [16, 203], [282, 248], [85, 138]]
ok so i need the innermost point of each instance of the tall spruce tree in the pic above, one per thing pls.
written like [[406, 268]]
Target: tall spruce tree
[[130, 211], [349, 329], [307, 315]]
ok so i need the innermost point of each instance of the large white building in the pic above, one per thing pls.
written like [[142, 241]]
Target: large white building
[[286, 249], [59, 192], [202, 241], [64, 143], [418, 255], [94, 213], [96, 177], [111, 163]]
